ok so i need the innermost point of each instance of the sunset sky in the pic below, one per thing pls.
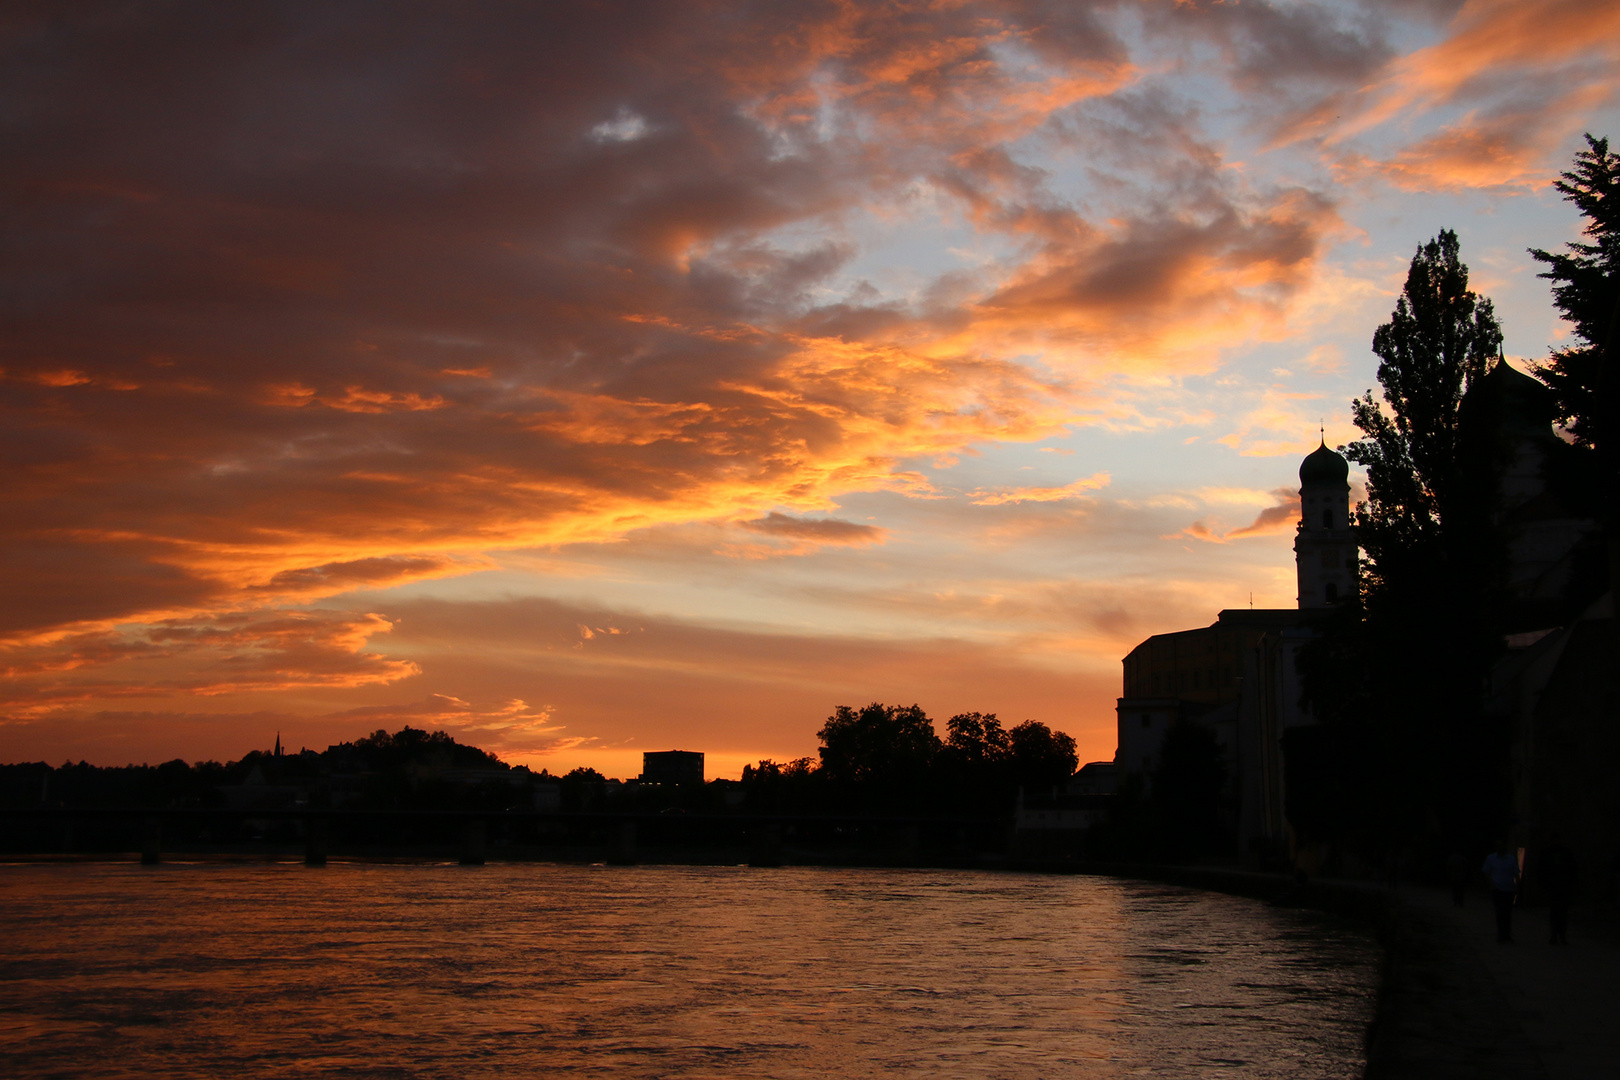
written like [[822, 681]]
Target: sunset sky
[[585, 379]]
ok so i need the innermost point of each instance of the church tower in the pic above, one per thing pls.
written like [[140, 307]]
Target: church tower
[[1325, 548]]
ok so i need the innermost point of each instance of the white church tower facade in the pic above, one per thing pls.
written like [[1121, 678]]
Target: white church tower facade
[[1325, 551]]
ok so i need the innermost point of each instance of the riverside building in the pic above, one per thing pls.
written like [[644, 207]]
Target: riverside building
[[1239, 676], [1553, 684]]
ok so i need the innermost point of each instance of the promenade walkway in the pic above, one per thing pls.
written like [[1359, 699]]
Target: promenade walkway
[[1463, 1006]]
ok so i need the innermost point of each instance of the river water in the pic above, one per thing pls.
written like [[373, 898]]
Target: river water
[[660, 971]]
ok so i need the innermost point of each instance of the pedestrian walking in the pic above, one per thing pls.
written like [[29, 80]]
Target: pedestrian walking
[[1457, 875], [1502, 870], [1559, 874]]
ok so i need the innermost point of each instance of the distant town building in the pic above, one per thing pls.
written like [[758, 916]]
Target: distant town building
[[672, 767], [1057, 822], [547, 795], [1094, 778]]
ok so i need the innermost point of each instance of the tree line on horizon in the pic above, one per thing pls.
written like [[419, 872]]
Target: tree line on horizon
[[879, 758], [395, 769], [890, 758]]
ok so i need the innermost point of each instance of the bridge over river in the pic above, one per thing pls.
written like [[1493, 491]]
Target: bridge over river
[[474, 836]]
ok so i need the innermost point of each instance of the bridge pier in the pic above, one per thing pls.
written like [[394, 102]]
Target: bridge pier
[[315, 834], [473, 837], [765, 848], [623, 849], [905, 845], [151, 841]]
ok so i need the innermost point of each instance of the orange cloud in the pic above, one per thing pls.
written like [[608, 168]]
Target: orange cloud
[[1509, 147], [233, 652], [790, 536], [1094, 482], [359, 400], [1490, 39], [1532, 71], [816, 530], [511, 728], [1275, 518], [1148, 293], [64, 377], [373, 572], [1198, 531]]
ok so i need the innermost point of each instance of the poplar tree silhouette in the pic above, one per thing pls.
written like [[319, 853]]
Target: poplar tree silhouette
[[1398, 679], [1440, 338]]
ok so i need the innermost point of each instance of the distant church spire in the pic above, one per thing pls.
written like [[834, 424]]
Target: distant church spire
[[278, 744]]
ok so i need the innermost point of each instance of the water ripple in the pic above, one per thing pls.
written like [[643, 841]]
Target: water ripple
[[427, 971]]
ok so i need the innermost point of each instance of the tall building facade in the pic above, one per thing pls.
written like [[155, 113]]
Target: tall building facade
[[1239, 676], [1554, 685], [672, 767]]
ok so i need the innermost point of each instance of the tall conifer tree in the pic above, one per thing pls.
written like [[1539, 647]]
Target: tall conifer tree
[[1586, 289]]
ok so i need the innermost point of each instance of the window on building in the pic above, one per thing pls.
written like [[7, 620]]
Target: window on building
[[1327, 519]]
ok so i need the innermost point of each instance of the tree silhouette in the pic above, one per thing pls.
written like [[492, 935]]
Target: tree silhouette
[[1040, 757], [976, 739], [1398, 679], [1440, 338], [1586, 290], [889, 744]]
